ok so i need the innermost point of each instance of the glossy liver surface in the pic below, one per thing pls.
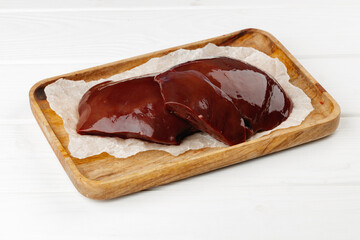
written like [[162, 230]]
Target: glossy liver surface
[[224, 97], [190, 96], [259, 98], [130, 109]]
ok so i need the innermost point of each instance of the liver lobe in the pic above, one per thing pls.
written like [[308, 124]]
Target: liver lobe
[[226, 98], [189, 95], [130, 109], [258, 97]]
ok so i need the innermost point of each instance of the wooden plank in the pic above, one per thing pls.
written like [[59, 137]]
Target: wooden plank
[[325, 70], [16, 87], [307, 192], [35, 168], [104, 176], [109, 35], [138, 4], [279, 191], [28, 164], [337, 76], [283, 212]]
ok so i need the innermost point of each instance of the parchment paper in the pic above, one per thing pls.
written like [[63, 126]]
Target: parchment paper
[[64, 96]]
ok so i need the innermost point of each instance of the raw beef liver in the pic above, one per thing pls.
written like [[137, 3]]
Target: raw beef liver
[[259, 98], [130, 109]]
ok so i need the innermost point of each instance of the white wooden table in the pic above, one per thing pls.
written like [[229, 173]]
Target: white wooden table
[[308, 192]]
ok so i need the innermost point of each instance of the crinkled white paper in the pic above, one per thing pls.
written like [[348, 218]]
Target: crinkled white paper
[[64, 96]]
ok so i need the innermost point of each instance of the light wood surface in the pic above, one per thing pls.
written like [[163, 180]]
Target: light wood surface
[[104, 176], [308, 192]]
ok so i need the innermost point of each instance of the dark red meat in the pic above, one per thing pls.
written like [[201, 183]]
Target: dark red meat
[[260, 99], [191, 96], [226, 98], [130, 109]]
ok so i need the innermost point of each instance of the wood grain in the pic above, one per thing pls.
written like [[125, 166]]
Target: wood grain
[[107, 35], [308, 192], [104, 177], [144, 4]]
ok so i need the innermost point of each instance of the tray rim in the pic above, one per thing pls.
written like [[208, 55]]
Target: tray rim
[[85, 185]]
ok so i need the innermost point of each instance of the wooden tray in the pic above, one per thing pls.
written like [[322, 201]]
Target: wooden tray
[[104, 176]]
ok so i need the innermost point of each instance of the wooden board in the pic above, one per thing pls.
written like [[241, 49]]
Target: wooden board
[[104, 176]]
